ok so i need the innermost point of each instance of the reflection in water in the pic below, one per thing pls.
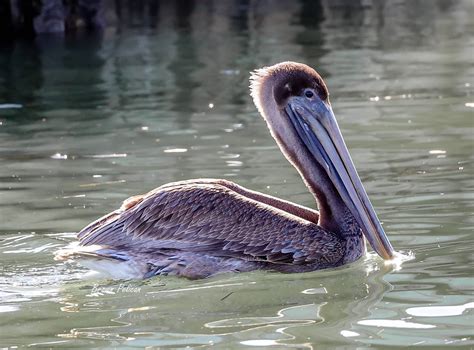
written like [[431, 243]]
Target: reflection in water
[[87, 120], [343, 302], [440, 311], [185, 63]]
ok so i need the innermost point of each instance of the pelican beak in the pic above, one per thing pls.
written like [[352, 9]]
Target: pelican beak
[[316, 125]]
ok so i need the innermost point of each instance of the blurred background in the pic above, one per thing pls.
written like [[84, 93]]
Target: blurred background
[[102, 100]]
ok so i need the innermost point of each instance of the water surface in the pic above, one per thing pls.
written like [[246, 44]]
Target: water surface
[[87, 121]]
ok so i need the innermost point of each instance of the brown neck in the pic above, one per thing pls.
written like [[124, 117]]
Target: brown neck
[[334, 214]]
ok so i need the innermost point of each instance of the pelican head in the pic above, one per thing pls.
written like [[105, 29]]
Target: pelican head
[[294, 101]]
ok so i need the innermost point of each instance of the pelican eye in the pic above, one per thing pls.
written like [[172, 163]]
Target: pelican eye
[[309, 93]]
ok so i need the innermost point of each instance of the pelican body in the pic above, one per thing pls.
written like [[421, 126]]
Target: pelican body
[[203, 227]]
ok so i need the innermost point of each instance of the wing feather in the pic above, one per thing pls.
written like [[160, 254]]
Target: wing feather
[[214, 219]]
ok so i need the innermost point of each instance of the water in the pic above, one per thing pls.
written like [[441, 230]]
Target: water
[[86, 122]]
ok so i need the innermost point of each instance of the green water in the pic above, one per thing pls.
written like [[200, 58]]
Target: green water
[[86, 122]]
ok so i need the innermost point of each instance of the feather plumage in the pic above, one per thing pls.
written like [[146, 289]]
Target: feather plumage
[[205, 217]]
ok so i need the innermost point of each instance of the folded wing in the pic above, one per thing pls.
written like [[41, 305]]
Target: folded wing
[[212, 218]]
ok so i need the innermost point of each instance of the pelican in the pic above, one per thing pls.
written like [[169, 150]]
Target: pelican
[[203, 227]]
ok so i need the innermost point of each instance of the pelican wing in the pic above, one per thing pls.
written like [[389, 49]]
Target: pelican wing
[[211, 218]]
